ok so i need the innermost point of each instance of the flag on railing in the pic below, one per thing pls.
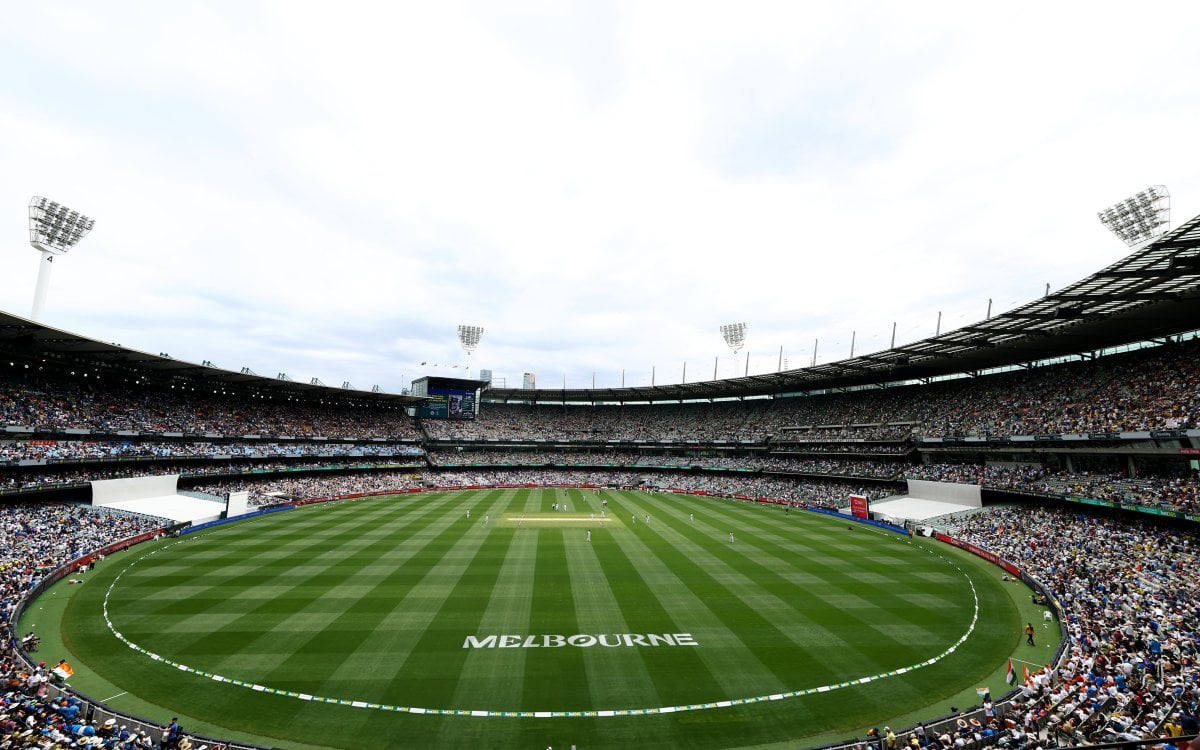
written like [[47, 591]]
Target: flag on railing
[[63, 671]]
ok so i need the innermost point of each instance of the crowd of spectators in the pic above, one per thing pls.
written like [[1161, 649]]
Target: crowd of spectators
[[40, 450], [1131, 603], [36, 539], [138, 406], [835, 467], [281, 490], [820, 493], [44, 479], [899, 432], [1150, 389], [724, 421], [731, 462], [1175, 493], [999, 476], [859, 449], [1170, 493], [542, 457]]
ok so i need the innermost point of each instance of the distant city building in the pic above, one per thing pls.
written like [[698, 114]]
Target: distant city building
[[485, 375], [530, 381]]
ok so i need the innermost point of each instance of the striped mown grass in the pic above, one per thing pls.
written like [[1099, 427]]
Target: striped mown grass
[[328, 625]]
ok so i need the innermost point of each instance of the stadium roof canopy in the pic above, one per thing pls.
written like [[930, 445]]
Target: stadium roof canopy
[[1152, 293], [25, 341]]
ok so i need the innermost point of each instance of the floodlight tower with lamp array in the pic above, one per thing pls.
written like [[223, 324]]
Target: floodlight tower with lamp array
[[1140, 217], [469, 337], [735, 338], [53, 230]]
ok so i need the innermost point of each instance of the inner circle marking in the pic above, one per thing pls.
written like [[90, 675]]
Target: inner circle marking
[[538, 714]]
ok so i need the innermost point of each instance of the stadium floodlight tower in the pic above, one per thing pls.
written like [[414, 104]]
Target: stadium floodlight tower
[[735, 338], [53, 230], [469, 337], [1140, 217]]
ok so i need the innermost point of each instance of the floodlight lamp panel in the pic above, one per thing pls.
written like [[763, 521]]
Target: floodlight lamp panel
[[469, 336], [734, 335], [1141, 217], [54, 228]]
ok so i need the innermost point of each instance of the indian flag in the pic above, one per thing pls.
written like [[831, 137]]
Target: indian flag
[[1010, 676], [63, 671]]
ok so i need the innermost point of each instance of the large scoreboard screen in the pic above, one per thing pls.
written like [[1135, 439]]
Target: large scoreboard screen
[[448, 403]]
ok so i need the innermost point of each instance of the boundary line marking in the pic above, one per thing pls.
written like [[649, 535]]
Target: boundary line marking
[[539, 714]]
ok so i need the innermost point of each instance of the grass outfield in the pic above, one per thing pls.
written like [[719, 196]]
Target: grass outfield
[[328, 625]]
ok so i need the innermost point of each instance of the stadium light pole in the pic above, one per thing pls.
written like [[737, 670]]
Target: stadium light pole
[[735, 338], [1140, 217], [469, 337], [53, 230]]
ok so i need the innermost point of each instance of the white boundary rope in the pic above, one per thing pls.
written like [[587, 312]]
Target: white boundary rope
[[540, 714]]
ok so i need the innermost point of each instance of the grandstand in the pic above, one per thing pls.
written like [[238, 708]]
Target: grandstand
[[1086, 401]]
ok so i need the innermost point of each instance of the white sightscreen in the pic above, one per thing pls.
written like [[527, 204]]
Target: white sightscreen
[[112, 491], [236, 504], [945, 492]]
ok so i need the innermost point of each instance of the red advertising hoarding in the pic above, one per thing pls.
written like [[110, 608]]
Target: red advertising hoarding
[[858, 506]]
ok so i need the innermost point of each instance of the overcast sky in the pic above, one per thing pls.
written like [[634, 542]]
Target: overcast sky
[[329, 189]]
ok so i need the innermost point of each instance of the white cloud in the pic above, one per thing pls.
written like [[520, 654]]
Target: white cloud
[[599, 185]]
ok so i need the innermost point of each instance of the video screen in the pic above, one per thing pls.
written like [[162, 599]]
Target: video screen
[[448, 403]]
